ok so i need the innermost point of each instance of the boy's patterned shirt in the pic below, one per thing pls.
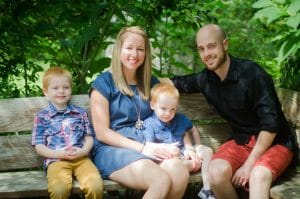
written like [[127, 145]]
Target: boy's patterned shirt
[[60, 129]]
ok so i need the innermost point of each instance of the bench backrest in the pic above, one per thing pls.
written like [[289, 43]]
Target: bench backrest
[[16, 122]]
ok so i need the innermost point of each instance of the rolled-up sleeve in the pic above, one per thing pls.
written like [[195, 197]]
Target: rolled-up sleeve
[[266, 104]]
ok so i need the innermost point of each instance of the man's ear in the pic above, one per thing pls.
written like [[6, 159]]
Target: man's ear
[[225, 44]]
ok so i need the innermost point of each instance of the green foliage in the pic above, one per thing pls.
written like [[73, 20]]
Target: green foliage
[[70, 34], [283, 19], [77, 35]]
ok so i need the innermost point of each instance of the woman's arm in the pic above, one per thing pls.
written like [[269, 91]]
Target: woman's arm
[[101, 121]]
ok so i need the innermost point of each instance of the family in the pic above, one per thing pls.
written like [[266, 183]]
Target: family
[[135, 126]]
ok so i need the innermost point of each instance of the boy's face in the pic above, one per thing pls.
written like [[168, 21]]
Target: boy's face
[[164, 107], [59, 91]]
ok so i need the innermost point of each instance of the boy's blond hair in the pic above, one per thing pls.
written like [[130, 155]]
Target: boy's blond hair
[[164, 88], [55, 71]]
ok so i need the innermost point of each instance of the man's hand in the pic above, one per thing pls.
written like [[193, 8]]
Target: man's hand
[[241, 176]]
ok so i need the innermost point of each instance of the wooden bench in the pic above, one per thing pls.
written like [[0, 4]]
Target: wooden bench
[[20, 167]]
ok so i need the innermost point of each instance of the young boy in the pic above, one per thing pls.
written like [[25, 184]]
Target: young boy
[[62, 134], [167, 126]]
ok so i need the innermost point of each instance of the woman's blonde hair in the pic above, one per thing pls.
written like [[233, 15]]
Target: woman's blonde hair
[[55, 71], [143, 72], [164, 88]]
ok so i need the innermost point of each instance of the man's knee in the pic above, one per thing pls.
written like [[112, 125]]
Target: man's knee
[[219, 171], [219, 167], [260, 174]]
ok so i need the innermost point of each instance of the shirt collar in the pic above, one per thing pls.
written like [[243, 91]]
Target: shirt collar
[[231, 76], [161, 124], [233, 71], [54, 111]]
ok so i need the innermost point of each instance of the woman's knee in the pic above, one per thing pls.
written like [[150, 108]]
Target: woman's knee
[[174, 167], [164, 180]]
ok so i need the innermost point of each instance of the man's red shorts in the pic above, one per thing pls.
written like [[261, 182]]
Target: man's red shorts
[[276, 158]]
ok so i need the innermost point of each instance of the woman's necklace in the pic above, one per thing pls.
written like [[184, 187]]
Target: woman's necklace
[[138, 108]]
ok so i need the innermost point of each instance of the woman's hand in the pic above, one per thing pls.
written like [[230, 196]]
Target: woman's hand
[[161, 151]]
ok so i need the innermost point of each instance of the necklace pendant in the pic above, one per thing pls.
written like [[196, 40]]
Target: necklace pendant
[[139, 124]]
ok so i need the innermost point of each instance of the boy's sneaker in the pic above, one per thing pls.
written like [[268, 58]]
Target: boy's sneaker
[[206, 194]]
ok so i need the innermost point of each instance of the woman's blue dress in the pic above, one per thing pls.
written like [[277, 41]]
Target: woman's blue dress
[[123, 116]]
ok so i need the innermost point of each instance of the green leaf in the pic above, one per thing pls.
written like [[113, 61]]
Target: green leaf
[[294, 7], [66, 43], [293, 21], [271, 13], [280, 1], [100, 65], [89, 32], [288, 47], [262, 4], [182, 66]]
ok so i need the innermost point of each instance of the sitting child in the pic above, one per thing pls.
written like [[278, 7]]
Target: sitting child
[[168, 126], [63, 135]]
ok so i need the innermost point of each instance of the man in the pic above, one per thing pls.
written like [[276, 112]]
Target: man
[[260, 148]]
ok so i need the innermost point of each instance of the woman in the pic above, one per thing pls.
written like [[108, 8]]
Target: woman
[[119, 104]]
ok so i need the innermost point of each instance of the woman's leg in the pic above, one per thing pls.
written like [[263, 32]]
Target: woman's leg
[[144, 174], [179, 174]]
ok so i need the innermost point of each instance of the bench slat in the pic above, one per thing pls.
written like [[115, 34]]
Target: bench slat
[[289, 189], [17, 152], [22, 110], [214, 135], [290, 101], [34, 183]]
